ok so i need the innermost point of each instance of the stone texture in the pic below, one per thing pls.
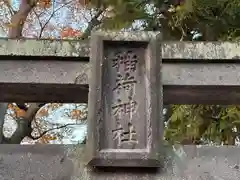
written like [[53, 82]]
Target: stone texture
[[44, 71], [224, 74], [60, 73], [70, 72], [128, 36], [32, 47], [170, 50], [130, 85], [58, 162], [201, 50]]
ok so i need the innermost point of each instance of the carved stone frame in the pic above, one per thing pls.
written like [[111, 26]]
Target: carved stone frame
[[150, 156]]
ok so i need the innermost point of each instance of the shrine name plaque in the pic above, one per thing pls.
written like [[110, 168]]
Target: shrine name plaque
[[125, 121]]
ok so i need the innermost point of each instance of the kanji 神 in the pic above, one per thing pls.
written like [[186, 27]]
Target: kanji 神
[[125, 108]]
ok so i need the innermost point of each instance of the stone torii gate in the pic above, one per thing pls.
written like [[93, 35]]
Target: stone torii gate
[[130, 76]]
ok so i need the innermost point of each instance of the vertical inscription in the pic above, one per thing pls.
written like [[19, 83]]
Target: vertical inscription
[[124, 106], [125, 96]]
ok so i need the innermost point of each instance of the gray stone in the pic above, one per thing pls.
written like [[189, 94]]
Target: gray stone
[[201, 50], [125, 98], [181, 77], [75, 48], [44, 71], [59, 162], [33, 47]]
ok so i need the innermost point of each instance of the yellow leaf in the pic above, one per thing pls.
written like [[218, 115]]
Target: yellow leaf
[[49, 137], [179, 8], [10, 25], [75, 114]]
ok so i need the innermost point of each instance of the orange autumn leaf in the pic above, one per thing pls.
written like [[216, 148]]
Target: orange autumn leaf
[[45, 139], [43, 112], [20, 113], [10, 106], [44, 3], [17, 111], [75, 114], [69, 32], [42, 141], [49, 138], [55, 105]]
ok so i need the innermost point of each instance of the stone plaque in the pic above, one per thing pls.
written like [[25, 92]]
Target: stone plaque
[[125, 100]]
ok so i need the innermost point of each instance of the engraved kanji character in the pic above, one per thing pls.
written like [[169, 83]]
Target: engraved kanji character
[[125, 108], [130, 62], [123, 136], [127, 59], [125, 81], [116, 62]]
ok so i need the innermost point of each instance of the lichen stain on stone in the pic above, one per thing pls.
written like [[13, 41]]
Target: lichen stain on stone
[[200, 50], [170, 50], [127, 35], [33, 47]]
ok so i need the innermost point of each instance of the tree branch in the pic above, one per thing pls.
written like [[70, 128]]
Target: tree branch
[[93, 23], [38, 17], [51, 16], [7, 3], [24, 125], [45, 132]]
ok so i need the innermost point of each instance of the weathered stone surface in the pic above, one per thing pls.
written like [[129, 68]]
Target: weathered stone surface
[[170, 50], [220, 81], [32, 47], [58, 162], [70, 72], [44, 71], [43, 77], [221, 74], [139, 36], [201, 50], [125, 100]]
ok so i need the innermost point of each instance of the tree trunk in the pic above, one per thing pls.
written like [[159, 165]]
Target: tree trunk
[[18, 19], [24, 124]]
